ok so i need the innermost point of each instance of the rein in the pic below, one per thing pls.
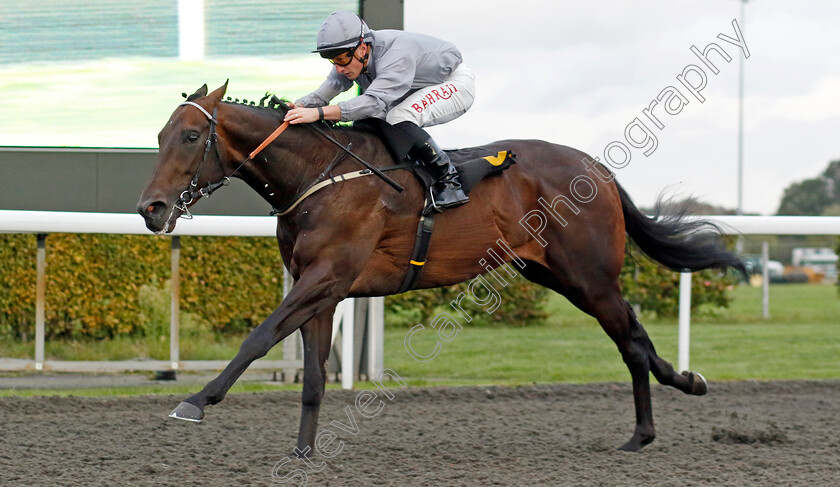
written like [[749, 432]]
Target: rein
[[193, 192], [367, 165]]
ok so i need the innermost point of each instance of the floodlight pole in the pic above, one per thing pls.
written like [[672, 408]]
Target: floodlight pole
[[741, 123], [740, 210], [191, 30]]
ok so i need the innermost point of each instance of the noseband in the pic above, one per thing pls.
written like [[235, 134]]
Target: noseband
[[193, 192]]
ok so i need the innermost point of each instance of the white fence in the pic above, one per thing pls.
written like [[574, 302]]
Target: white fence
[[44, 222], [40, 222], [749, 225]]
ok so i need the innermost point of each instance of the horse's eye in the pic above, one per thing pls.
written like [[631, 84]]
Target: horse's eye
[[192, 138]]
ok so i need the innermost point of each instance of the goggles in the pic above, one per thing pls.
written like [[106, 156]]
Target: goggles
[[345, 57]]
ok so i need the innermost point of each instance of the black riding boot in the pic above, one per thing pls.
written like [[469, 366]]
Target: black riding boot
[[446, 191]]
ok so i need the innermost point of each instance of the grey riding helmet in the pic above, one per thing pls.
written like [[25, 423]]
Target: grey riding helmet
[[341, 32]]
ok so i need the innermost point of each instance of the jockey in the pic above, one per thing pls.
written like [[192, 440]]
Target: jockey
[[409, 80]]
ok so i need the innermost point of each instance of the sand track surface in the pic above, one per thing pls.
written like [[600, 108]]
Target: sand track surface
[[742, 433]]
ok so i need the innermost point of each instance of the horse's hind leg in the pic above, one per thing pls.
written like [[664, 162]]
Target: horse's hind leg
[[603, 301], [632, 344], [687, 382]]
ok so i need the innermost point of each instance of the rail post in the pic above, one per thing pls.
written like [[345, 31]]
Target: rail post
[[685, 319], [765, 280], [40, 300], [175, 305], [376, 337], [292, 342], [348, 372]]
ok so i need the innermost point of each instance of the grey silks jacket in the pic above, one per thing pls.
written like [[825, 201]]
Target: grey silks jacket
[[400, 64]]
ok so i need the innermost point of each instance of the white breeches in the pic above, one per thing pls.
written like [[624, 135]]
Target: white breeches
[[437, 104]]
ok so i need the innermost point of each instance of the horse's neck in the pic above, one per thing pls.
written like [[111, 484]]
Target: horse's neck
[[283, 168]]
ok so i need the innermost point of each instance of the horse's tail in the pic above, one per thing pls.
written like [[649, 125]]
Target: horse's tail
[[676, 242]]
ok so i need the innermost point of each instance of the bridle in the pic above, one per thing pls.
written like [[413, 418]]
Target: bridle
[[193, 192]]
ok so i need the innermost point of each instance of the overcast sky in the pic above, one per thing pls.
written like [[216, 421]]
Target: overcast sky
[[577, 73]]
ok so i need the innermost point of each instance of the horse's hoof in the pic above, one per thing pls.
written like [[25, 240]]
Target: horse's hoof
[[697, 385], [637, 442], [630, 446], [187, 412]]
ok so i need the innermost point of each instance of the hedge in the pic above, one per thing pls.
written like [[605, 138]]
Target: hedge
[[521, 303], [103, 285], [94, 282], [655, 289]]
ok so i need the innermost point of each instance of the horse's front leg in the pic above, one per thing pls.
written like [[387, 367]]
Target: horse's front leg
[[317, 338], [315, 293]]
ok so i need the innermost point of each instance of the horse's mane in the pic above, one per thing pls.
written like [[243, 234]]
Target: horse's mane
[[271, 103], [267, 102]]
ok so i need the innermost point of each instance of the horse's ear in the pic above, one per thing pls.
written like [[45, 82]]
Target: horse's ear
[[198, 93], [219, 92]]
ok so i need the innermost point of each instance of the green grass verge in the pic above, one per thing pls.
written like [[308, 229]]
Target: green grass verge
[[796, 342], [193, 347]]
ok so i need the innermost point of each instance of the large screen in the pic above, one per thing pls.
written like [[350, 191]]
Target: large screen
[[83, 73]]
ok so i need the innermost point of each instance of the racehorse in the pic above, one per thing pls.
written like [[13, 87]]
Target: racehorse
[[354, 239]]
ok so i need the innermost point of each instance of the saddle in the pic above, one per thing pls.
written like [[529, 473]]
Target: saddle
[[473, 165]]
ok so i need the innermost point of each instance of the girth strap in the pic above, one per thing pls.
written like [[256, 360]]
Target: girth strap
[[418, 254]]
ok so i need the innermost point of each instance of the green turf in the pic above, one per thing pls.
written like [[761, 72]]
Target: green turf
[[798, 341]]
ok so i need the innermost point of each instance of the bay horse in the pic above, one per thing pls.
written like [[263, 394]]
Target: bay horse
[[354, 239]]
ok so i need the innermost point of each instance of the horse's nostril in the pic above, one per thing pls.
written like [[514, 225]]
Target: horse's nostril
[[154, 209]]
